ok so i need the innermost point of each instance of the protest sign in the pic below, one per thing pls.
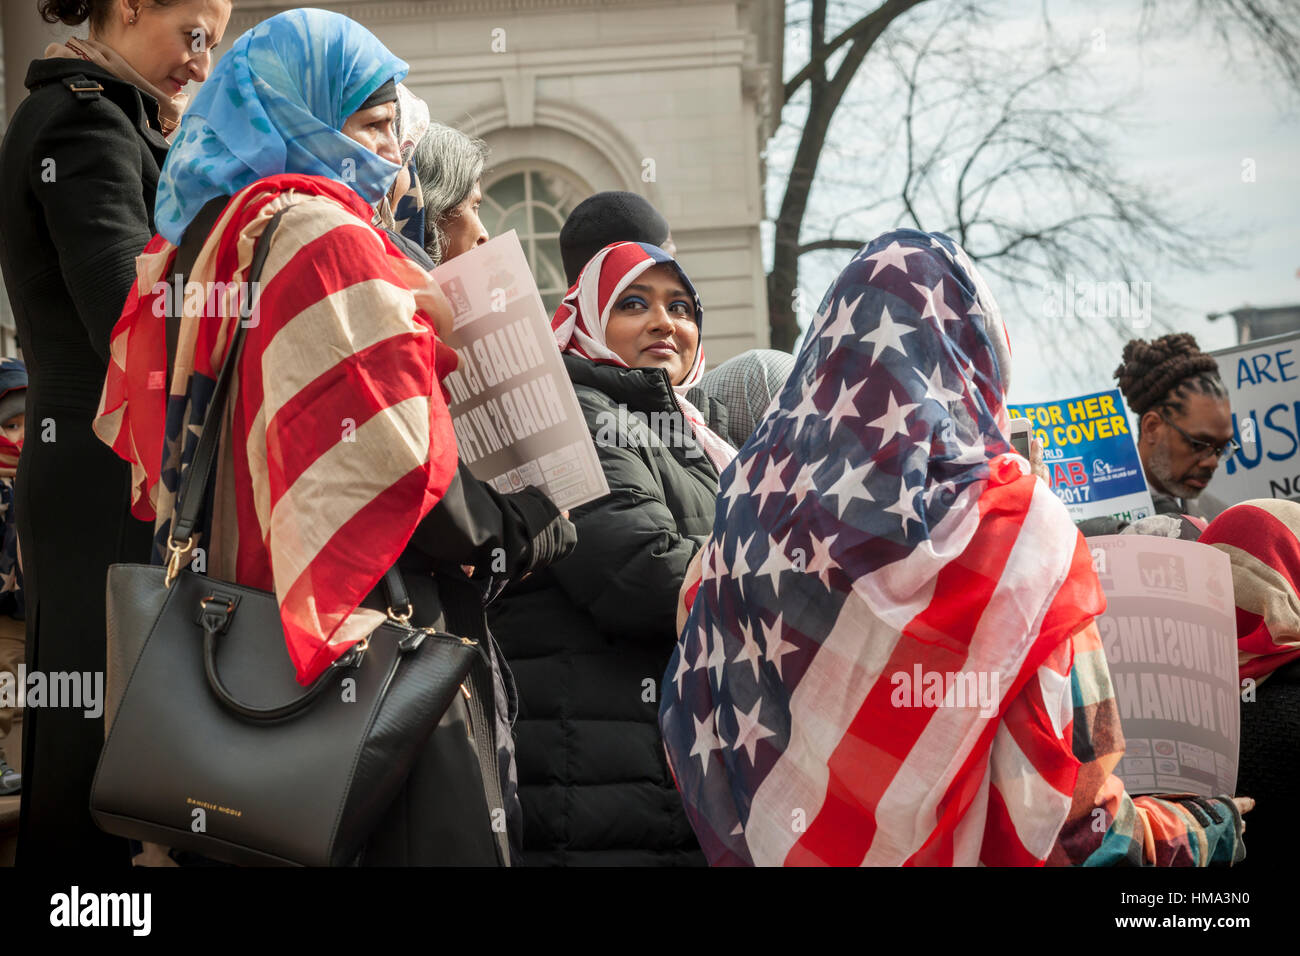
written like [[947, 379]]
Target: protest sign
[[513, 408], [1170, 638], [1090, 455], [1263, 381]]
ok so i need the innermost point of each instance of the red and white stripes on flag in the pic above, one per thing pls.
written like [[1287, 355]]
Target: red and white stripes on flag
[[336, 440], [875, 664]]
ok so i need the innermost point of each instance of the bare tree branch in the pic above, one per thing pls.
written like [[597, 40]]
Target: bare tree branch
[[990, 144], [854, 244]]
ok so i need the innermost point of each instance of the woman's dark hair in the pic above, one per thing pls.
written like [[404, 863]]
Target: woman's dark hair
[[1161, 372], [73, 12]]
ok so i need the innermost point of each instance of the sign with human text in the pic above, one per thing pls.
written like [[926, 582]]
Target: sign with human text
[[513, 408], [1090, 455], [1169, 634], [1263, 382]]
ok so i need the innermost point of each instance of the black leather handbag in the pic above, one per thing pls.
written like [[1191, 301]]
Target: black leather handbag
[[211, 744]]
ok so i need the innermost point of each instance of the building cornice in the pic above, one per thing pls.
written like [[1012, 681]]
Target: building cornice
[[720, 50], [249, 12]]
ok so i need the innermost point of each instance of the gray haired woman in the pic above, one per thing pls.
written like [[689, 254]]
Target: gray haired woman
[[450, 166]]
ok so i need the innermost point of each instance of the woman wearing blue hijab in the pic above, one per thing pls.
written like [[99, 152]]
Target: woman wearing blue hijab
[[298, 121], [279, 102]]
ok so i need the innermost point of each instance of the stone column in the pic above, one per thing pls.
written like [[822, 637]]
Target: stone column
[[25, 37]]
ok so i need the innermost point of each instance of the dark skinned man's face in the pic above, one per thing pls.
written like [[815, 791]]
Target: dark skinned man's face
[[1171, 462]]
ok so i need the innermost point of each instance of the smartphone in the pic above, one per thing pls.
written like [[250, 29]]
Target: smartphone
[[1022, 429]]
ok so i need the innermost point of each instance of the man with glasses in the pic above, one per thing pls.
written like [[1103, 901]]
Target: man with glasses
[[1184, 433], [1185, 422]]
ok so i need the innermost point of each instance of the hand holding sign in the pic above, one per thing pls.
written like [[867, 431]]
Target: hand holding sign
[[432, 301], [1036, 466], [1088, 453]]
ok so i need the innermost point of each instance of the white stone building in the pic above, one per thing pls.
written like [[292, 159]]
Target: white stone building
[[672, 99]]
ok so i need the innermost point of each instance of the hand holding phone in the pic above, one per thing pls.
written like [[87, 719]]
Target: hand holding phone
[[1022, 429]]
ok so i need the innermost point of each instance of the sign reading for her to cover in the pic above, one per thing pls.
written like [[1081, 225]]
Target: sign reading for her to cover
[[1090, 455]]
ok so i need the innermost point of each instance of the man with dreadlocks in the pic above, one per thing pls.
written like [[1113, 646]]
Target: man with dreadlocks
[[1184, 420]]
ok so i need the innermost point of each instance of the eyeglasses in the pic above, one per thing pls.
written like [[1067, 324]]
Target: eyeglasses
[[1204, 449]]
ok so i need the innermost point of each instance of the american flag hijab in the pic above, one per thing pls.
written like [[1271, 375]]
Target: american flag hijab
[[1262, 540], [336, 441], [580, 322], [861, 677]]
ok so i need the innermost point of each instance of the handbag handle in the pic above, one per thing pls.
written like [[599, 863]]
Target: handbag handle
[[214, 624], [193, 491], [215, 614]]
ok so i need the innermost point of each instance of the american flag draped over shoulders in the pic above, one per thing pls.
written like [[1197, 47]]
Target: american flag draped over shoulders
[[876, 534], [336, 440]]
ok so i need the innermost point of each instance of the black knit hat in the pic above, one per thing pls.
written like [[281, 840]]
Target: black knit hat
[[604, 218], [385, 94]]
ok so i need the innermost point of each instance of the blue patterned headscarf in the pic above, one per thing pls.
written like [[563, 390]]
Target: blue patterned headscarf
[[275, 104]]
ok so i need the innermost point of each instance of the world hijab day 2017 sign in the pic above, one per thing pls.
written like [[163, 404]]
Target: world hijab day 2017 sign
[[1263, 382], [1090, 455]]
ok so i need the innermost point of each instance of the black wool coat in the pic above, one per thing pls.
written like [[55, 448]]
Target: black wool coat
[[78, 174], [589, 639]]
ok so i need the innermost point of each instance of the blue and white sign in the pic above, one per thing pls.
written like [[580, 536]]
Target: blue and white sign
[[1090, 455], [1263, 380]]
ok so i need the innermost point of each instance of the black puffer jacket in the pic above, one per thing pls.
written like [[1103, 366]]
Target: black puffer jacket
[[588, 639]]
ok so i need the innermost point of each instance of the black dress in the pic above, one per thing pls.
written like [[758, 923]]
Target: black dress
[[78, 174]]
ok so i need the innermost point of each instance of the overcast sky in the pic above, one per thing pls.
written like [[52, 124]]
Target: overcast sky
[[1192, 120]]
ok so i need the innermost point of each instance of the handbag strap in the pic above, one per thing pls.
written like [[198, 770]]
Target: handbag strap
[[191, 244], [198, 476]]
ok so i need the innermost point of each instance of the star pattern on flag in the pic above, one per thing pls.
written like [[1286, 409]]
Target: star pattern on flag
[[887, 335], [894, 421], [852, 484], [749, 650], [843, 501], [706, 741], [893, 255], [934, 387], [717, 659], [739, 566], [751, 731], [844, 406], [774, 645], [771, 482], [807, 407], [804, 483], [775, 563], [905, 506], [701, 658], [682, 670], [723, 571], [842, 327], [936, 306], [739, 486], [822, 563]]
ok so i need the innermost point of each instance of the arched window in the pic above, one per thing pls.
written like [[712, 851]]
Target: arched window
[[534, 200]]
